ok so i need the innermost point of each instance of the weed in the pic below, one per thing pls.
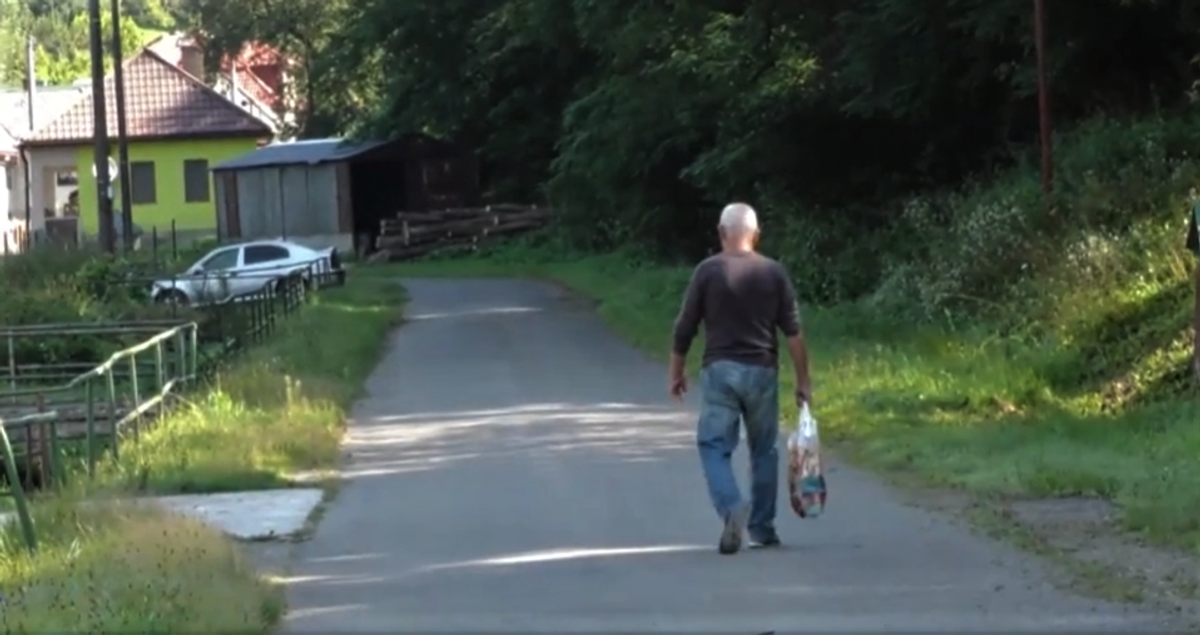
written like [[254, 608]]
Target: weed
[[129, 568], [275, 413]]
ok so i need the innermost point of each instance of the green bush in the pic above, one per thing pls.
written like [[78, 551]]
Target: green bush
[[60, 287], [1115, 223]]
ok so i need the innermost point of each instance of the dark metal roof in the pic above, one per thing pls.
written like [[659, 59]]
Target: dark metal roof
[[309, 152]]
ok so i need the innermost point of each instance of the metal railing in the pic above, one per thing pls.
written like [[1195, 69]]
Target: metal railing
[[46, 418]]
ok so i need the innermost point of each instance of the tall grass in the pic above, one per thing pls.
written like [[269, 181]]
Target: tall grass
[[124, 568], [277, 412]]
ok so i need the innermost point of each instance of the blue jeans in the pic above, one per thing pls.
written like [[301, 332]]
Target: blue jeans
[[734, 393]]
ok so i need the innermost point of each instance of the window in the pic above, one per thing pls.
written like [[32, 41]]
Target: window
[[258, 254], [143, 188], [224, 259], [66, 178], [195, 181]]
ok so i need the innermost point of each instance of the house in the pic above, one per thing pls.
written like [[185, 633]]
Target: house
[[337, 192], [177, 127], [255, 78], [14, 125], [8, 183]]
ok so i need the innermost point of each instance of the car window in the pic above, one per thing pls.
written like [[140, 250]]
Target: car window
[[224, 259], [257, 254]]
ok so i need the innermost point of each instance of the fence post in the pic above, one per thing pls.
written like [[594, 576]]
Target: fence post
[[18, 492], [90, 396], [12, 364], [180, 360], [194, 351], [137, 397], [112, 412]]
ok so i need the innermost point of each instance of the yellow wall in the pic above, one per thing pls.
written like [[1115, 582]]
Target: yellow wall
[[168, 157]]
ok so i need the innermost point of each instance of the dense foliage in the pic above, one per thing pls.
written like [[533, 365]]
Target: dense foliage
[[60, 31], [637, 117], [863, 129]]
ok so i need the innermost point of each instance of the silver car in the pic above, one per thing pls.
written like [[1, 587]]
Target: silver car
[[234, 271]]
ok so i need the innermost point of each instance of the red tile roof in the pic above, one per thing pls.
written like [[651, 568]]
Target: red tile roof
[[161, 101], [253, 85], [252, 56]]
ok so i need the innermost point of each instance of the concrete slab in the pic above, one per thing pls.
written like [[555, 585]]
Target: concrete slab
[[516, 467], [259, 515]]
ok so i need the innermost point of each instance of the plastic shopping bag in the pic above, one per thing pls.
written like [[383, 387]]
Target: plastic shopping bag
[[806, 478]]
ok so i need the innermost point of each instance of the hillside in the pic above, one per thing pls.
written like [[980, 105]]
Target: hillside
[[60, 30]]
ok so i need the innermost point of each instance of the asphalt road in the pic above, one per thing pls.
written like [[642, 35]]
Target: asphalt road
[[516, 467]]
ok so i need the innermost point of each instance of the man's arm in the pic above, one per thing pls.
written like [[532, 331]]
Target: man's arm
[[687, 324], [788, 321]]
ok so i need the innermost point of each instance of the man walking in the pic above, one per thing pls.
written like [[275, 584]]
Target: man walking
[[742, 298]]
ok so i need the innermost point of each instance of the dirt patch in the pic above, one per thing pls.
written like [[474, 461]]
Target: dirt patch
[[1087, 531], [1082, 537], [571, 300]]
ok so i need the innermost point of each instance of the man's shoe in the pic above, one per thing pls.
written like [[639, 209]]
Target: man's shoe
[[768, 542], [731, 536]]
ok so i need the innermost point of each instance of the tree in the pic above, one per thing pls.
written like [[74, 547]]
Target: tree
[[300, 29], [631, 115], [14, 23], [63, 55]]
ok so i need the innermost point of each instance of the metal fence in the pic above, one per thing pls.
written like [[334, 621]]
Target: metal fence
[[60, 419], [165, 242]]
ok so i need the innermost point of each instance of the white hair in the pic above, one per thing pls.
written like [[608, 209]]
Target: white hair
[[739, 219]]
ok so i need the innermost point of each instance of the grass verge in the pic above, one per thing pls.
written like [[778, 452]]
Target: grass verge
[[124, 568], [959, 408], [273, 414], [278, 411]]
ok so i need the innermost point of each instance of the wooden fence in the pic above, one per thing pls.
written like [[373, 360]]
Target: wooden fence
[[416, 234]]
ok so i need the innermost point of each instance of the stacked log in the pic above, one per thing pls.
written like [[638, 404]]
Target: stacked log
[[415, 234]]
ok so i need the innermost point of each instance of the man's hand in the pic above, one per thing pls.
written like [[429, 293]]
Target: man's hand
[[677, 382], [679, 387], [803, 395]]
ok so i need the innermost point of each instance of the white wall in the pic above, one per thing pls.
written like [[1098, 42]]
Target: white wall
[[14, 205], [6, 186], [45, 163]]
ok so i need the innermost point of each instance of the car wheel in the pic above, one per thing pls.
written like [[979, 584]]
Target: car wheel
[[172, 296]]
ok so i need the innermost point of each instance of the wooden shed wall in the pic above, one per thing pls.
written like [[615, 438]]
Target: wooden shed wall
[[288, 201]]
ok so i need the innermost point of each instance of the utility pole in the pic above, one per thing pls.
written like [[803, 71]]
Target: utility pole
[[1039, 35], [122, 132], [31, 98], [100, 129]]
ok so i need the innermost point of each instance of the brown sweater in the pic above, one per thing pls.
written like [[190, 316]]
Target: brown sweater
[[742, 299]]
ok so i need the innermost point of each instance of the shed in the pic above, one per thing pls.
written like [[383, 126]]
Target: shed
[[334, 191]]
